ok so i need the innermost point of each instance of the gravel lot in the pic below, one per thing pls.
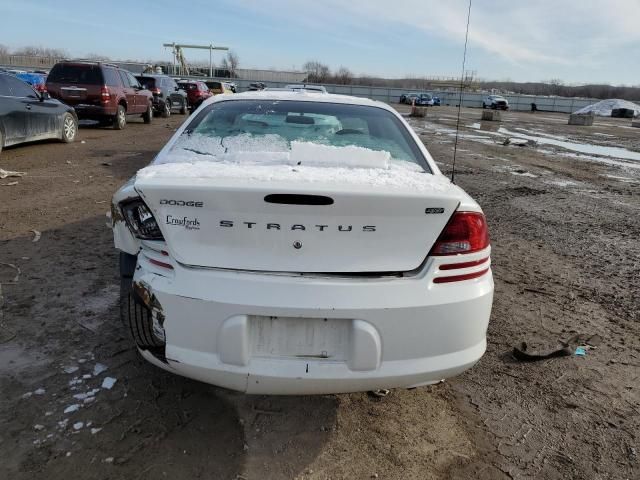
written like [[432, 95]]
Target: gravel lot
[[564, 230]]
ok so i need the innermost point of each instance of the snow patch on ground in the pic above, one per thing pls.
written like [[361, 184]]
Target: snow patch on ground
[[108, 382]]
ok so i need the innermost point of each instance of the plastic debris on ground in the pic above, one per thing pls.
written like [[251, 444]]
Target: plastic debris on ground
[[580, 351], [9, 173], [524, 354]]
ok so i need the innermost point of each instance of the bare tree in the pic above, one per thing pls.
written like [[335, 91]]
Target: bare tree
[[343, 76], [316, 71], [97, 57], [233, 61], [34, 51]]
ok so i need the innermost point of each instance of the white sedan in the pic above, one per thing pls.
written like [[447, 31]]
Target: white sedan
[[285, 242]]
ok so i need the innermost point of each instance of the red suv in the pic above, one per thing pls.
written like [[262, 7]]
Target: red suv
[[197, 92], [100, 91]]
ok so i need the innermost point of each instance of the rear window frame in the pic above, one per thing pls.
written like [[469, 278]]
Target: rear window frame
[[86, 66], [421, 159]]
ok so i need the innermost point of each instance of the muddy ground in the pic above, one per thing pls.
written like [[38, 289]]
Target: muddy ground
[[564, 229]]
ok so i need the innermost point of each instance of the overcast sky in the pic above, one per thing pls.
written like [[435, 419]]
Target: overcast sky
[[578, 41]]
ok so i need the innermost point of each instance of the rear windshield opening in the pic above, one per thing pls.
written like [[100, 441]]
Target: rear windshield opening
[[86, 74], [231, 127], [147, 82]]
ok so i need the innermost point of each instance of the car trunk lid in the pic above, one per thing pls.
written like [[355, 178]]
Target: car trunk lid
[[283, 227]]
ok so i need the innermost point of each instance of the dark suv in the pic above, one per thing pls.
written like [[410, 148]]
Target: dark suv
[[166, 94], [100, 91]]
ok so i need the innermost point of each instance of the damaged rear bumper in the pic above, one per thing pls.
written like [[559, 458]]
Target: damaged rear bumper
[[287, 334]]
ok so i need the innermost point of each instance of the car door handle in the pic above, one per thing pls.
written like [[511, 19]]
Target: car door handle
[[28, 107]]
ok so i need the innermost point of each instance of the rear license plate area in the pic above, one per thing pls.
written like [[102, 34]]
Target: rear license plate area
[[301, 338]]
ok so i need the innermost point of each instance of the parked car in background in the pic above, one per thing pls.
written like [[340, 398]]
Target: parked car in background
[[362, 268], [436, 101], [255, 86], [27, 115], [100, 91], [36, 80], [307, 87], [217, 88], [425, 100], [232, 86], [407, 98], [166, 93], [197, 92], [497, 102]]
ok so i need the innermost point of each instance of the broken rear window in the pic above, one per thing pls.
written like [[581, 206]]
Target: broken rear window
[[237, 126]]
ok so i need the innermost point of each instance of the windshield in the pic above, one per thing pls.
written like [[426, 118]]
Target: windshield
[[259, 126]]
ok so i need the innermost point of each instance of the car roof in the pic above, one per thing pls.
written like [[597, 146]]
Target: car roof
[[300, 95], [151, 75], [89, 63]]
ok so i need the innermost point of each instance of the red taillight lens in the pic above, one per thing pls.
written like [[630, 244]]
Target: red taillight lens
[[466, 232], [105, 96], [41, 87]]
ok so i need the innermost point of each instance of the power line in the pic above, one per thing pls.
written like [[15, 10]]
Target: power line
[[464, 61]]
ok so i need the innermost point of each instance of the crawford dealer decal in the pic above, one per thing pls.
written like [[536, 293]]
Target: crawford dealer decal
[[186, 222]]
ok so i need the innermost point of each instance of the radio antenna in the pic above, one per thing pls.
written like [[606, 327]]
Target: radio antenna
[[464, 61]]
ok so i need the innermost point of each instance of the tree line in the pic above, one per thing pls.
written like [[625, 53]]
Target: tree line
[[319, 72]]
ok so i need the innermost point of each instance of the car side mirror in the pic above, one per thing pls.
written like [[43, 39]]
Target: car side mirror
[[177, 88], [45, 96]]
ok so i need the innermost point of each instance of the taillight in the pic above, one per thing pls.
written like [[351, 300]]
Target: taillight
[[466, 232], [156, 91], [105, 95], [141, 221], [41, 87]]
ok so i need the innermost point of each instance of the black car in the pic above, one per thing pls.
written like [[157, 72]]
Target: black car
[[166, 94], [26, 115], [408, 98], [256, 86]]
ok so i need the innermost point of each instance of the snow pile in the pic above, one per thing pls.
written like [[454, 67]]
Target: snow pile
[[272, 158], [274, 150], [603, 108], [351, 156]]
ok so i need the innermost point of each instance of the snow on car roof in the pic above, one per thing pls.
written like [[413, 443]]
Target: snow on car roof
[[299, 95]]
